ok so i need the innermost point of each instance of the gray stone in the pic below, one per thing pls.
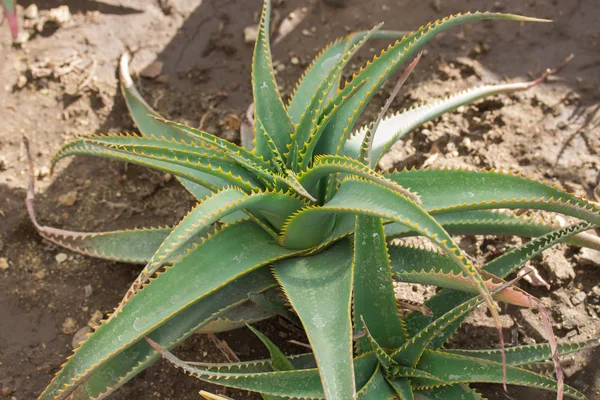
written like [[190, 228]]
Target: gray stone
[[80, 336], [555, 263], [578, 298]]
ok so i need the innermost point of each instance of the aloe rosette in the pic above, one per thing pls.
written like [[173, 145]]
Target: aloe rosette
[[307, 212]]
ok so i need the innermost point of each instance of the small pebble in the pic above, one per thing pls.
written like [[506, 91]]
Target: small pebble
[[60, 15], [295, 61], [31, 12], [578, 298], [167, 177], [43, 172], [68, 199], [3, 264], [152, 70], [80, 336], [250, 34], [95, 319], [87, 290], [21, 81], [69, 327], [60, 258]]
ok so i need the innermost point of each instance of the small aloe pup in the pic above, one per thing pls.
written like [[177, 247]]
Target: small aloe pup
[[307, 214]]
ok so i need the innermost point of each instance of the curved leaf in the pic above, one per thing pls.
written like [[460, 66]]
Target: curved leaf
[[213, 173], [322, 66], [458, 369], [379, 70], [366, 198], [527, 354], [393, 127], [445, 300], [326, 319], [223, 256], [268, 107], [120, 368], [460, 190], [374, 300], [377, 388]]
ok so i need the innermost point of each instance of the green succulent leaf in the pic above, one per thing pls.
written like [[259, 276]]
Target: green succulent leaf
[[268, 107], [403, 388], [210, 172], [278, 360], [326, 318], [501, 267], [236, 317], [233, 151], [380, 69], [460, 190], [377, 388], [310, 117], [325, 165], [132, 246], [413, 349], [456, 391], [527, 354], [146, 119], [323, 66], [399, 124], [452, 368], [225, 256], [374, 300], [299, 383], [274, 304], [121, 367], [367, 198]]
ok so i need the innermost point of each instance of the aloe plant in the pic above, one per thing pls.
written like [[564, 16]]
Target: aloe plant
[[307, 213]]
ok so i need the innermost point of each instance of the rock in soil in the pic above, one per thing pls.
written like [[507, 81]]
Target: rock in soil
[[3, 264], [69, 327], [589, 256], [557, 266], [68, 199], [95, 319], [152, 71], [578, 298], [60, 258], [80, 336]]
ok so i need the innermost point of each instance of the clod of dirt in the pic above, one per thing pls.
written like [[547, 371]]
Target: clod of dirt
[[87, 291], [43, 172], [557, 266], [68, 199], [59, 15], [589, 256], [95, 319], [60, 258], [69, 326], [22, 37], [31, 12], [80, 336], [153, 70], [578, 298], [250, 34], [3, 264], [290, 23]]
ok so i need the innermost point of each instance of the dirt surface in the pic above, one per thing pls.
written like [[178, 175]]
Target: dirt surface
[[62, 83]]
